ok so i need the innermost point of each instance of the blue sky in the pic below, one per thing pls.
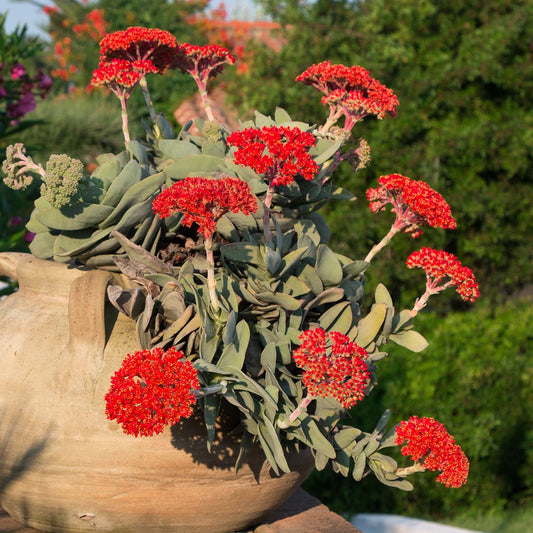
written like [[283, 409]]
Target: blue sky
[[24, 13], [21, 12]]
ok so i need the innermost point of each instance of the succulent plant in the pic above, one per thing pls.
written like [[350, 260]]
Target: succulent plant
[[235, 299]]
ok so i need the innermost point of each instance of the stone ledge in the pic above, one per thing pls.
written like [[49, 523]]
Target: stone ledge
[[301, 513]]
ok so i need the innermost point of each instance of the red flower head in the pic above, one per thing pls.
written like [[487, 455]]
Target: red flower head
[[333, 366], [204, 201], [428, 442], [280, 153], [151, 390], [440, 265], [121, 75], [350, 91], [201, 62], [139, 44], [414, 202]]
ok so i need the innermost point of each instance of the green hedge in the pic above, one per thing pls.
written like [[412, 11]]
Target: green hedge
[[476, 377]]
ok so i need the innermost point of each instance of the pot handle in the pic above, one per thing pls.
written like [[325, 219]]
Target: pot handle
[[9, 262], [87, 311]]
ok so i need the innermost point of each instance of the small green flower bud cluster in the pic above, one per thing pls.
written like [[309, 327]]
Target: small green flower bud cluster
[[211, 131], [61, 179]]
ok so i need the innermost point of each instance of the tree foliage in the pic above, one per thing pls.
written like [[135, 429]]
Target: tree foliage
[[463, 72]]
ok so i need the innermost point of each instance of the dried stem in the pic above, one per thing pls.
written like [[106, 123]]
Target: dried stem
[[211, 282], [147, 98]]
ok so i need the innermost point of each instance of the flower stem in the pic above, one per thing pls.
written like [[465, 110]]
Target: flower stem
[[124, 114], [211, 282], [202, 89], [431, 288], [147, 98], [377, 247], [266, 214], [211, 389], [301, 407], [404, 472], [334, 116]]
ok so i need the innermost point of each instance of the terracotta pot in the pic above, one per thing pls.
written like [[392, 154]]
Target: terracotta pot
[[63, 465]]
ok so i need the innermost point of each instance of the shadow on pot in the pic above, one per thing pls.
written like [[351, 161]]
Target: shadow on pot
[[190, 435], [15, 462]]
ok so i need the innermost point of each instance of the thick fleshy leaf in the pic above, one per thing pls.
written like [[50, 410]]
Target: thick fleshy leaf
[[324, 150], [135, 216], [283, 300], [211, 405], [402, 320], [268, 356], [194, 165], [136, 194], [312, 279], [328, 267], [138, 151], [355, 268], [42, 245], [138, 253], [242, 253], [110, 166], [333, 294], [272, 446], [345, 437], [176, 149], [359, 467], [66, 242], [337, 318], [35, 226], [314, 437], [410, 339], [262, 121], [369, 326], [291, 260], [71, 217], [178, 324], [382, 295], [281, 116], [129, 176]]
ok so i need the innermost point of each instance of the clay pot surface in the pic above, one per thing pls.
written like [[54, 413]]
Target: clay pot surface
[[63, 466]]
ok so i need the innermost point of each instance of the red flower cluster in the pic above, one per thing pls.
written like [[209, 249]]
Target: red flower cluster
[[414, 202], [439, 264], [427, 441], [93, 25], [151, 390], [204, 201], [138, 43], [333, 366], [121, 75], [280, 153], [201, 62], [351, 90]]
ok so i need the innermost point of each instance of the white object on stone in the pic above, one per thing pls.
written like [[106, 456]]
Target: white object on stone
[[383, 523], [3, 285]]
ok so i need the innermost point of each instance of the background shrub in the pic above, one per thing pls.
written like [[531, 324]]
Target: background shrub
[[476, 378]]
